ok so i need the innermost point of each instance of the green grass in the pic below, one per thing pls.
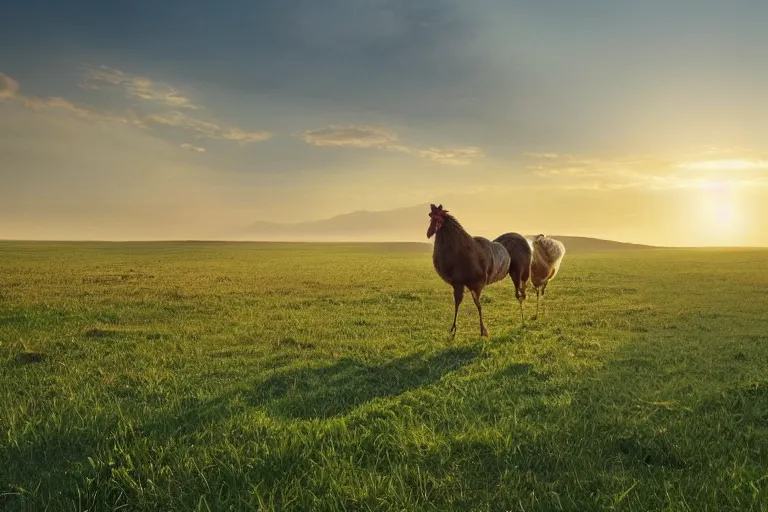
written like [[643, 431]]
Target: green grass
[[207, 376]]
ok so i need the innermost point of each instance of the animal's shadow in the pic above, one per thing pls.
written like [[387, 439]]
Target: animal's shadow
[[323, 392], [296, 393]]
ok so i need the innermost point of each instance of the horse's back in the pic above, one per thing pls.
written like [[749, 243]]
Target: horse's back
[[497, 261]]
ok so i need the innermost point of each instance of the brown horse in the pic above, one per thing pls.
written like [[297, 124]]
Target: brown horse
[[465, 261]]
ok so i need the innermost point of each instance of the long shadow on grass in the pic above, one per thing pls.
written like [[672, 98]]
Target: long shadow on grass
[[57, 464], [322, 392]]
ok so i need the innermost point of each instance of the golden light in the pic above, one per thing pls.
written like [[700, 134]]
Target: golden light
[[725, 165], [718, 214]]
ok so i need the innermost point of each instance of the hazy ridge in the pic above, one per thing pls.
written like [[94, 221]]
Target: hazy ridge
[[398, 225]]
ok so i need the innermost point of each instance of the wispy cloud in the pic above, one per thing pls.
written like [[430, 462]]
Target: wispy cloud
[[59, 104], [573, 172], [207, 128], [581, 172], [542, 155], [725, 165], [457, 156], [191, 147], [127, 116], [8, 87], [377, 137], [135, 86], [360, 136], [9, 91], [168, 96], [547, 165]]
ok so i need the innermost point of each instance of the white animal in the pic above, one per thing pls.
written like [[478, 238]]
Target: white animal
[[547, 255]]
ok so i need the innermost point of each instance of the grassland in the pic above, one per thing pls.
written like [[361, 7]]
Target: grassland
[[288, 377]]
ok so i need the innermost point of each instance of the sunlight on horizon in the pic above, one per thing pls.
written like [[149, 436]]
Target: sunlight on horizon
[[721, 218]]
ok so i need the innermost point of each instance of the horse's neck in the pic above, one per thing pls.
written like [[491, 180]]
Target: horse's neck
[[452, 235]]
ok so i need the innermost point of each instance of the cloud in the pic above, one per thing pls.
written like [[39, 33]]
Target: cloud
[[57, 103], [581, 172], [458, 156], [144, 88], [542, 155], [9, 91], [376, 137], [135, 86], [725, 165], [207, 128], [234, 133], [191, 147], [361, 136], [554, 164], [577, 172], [8, 87]]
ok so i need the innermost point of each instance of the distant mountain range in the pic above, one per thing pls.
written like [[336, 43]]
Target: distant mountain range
[[398, 225]]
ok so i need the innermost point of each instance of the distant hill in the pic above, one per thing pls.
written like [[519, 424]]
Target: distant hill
[[401, 224], [398, 225], [586, 244]]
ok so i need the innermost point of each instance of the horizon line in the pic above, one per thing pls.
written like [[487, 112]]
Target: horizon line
[[337, 242]]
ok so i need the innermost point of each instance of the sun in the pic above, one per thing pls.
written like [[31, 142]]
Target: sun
[[718, 213]]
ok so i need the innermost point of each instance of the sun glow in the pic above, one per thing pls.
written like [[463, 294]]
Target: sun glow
[[719, 214]]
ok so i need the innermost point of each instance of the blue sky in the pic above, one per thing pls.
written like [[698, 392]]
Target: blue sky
[[242, 109]]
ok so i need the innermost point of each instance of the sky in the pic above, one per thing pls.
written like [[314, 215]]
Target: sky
[[640, 121]]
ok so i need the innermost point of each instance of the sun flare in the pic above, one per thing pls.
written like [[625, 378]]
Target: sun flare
[[719, 214]]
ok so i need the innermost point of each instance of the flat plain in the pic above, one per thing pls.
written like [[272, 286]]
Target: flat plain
[[247, 376]]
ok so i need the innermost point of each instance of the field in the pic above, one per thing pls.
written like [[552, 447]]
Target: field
[[212, 376]]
